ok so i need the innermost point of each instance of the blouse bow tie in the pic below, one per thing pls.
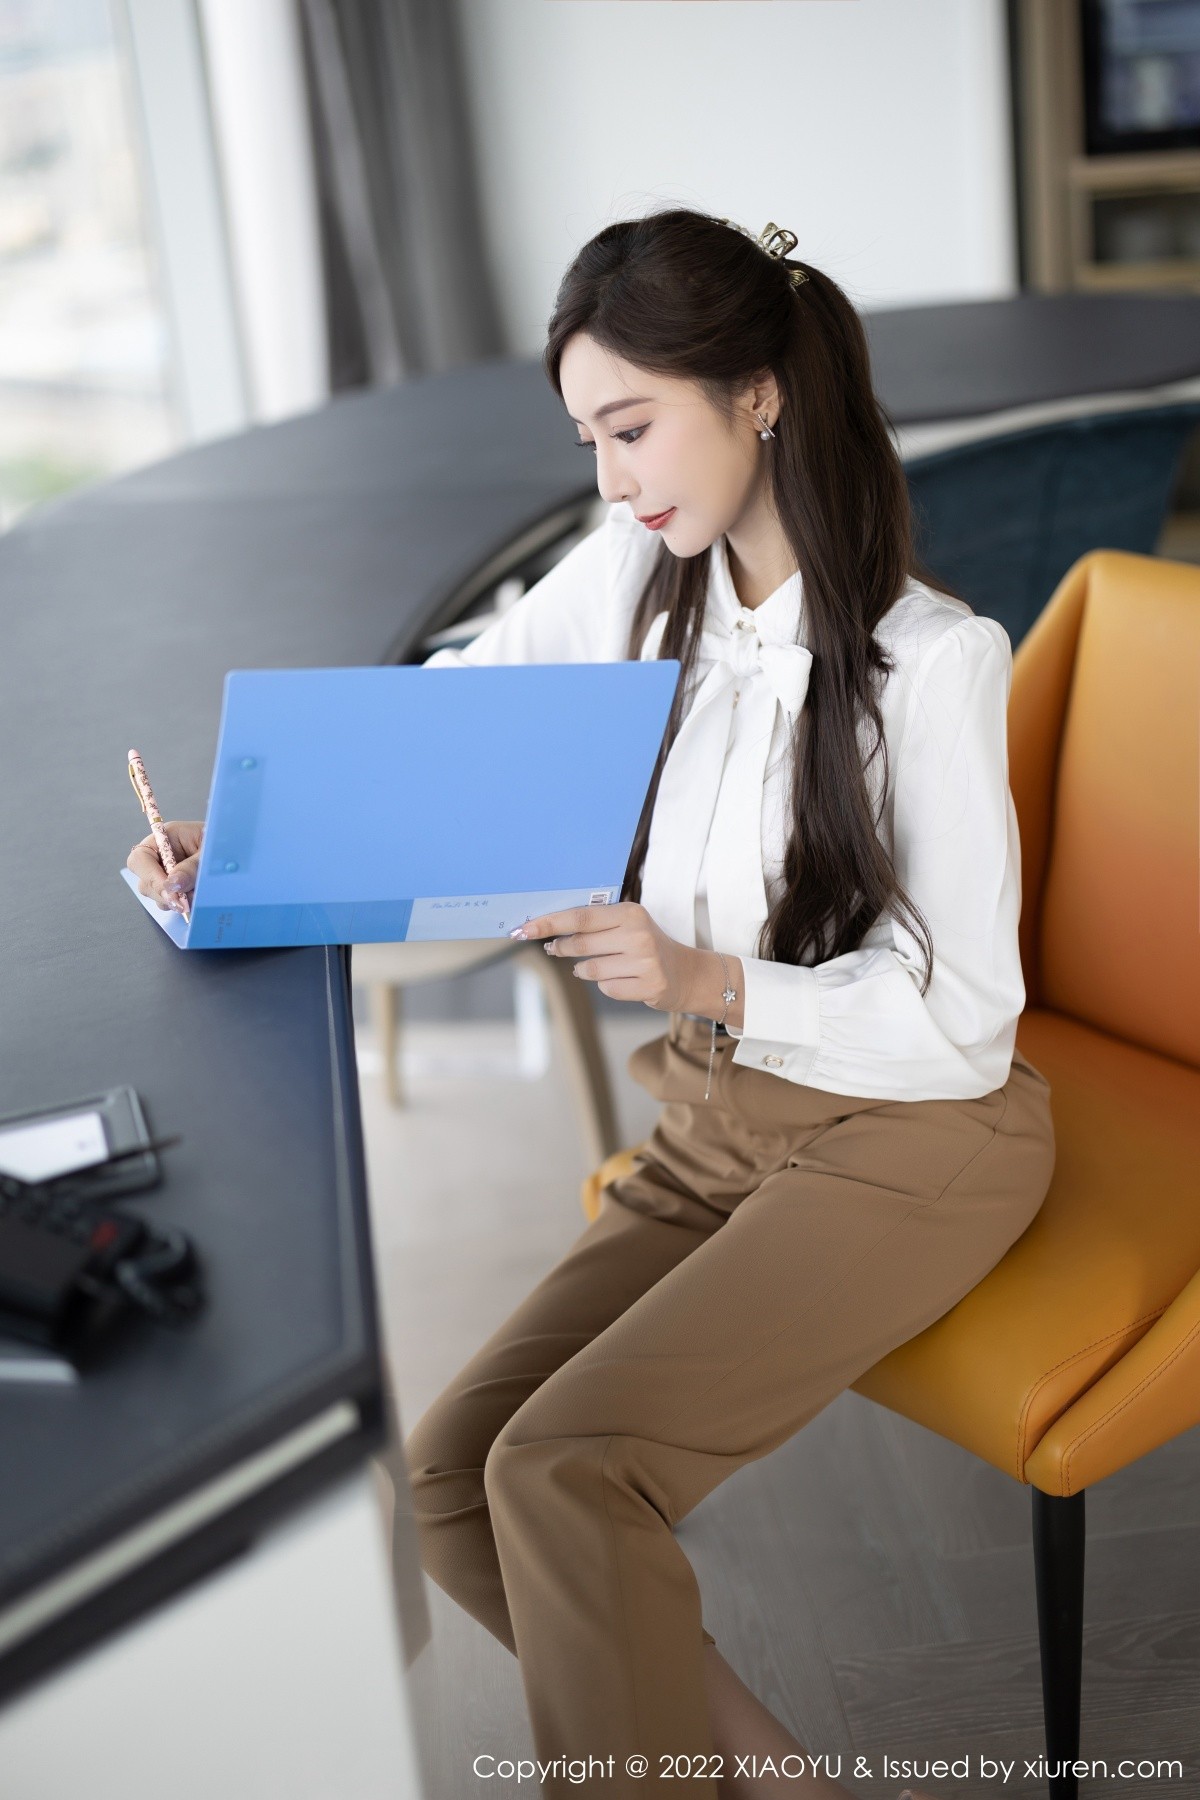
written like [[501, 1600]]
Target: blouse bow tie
[[699, 791]]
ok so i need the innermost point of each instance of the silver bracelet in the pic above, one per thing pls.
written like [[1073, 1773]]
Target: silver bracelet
[[729, 996]]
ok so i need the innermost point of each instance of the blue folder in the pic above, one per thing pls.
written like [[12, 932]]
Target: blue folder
[[384, 805]]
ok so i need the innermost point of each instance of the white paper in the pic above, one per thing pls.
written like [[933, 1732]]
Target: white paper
[[172, 922], [53, 1146], [20, 1361]]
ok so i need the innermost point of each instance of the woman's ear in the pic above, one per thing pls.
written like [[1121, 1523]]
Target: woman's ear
[[762, 395]]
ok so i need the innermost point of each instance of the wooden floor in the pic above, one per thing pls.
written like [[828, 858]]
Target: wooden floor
[[869, 1580]]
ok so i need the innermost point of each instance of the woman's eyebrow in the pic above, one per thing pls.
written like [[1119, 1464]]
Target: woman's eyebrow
[[615, 406]]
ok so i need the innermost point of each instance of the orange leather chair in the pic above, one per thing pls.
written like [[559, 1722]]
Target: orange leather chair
[[1080, 1351]]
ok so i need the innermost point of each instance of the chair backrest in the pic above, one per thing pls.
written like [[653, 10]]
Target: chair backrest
[[1103, 724], [1002, 519]]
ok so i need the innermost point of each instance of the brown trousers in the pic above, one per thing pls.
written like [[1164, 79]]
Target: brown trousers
[[769, 1247]]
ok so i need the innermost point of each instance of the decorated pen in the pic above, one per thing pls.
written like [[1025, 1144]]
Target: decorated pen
[[149, 805]]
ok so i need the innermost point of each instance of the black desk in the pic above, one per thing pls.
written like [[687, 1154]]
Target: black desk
[[339, 538], [331, 539], [990, 356]]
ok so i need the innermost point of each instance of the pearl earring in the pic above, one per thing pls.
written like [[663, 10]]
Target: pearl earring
[[766, 431]]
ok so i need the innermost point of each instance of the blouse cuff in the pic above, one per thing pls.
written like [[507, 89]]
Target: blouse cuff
[[781, 1026]]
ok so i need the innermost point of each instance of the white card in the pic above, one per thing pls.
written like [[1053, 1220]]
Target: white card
[[22, 1362], [48, 1147]]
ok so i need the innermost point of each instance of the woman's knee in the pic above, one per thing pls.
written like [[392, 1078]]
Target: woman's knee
[[523, 1465], [441, 1452]]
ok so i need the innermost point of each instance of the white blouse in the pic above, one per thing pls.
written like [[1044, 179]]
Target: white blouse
[[857, 1023]]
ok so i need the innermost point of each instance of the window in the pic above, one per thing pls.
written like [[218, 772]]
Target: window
[[84, 345]]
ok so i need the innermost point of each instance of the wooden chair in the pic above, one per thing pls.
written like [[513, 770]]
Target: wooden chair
[[1080, 1351], [387, 969]]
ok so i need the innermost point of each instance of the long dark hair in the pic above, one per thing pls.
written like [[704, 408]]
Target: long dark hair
[[683, 294]]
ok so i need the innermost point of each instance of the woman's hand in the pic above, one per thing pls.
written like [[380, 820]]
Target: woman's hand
[[185, 837], [622, 950]]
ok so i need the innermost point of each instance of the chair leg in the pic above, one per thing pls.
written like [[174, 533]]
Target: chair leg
[[1058, 1543], [574, 1019], [383, 999]]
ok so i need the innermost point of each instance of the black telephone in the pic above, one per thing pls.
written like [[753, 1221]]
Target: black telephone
[[69, 1262]]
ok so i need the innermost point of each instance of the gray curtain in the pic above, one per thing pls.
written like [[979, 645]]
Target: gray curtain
[[408, 289]]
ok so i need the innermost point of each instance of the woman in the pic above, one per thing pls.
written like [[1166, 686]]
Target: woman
[[827, 864]]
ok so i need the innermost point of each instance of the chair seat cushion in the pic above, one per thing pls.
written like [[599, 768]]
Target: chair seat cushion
[[1116, 1240]]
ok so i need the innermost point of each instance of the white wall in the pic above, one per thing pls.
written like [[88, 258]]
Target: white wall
[[228, 166], [256, 84], [181, 171], [877, 130]]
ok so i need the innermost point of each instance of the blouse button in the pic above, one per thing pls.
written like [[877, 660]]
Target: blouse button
[[773, 1062]]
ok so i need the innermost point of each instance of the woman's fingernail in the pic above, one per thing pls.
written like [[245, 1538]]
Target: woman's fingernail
[[519, 932]]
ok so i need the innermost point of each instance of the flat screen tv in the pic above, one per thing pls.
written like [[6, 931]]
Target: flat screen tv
[[1141, 75]]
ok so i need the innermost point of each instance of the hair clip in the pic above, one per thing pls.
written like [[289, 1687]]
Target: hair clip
[[777, 241]]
